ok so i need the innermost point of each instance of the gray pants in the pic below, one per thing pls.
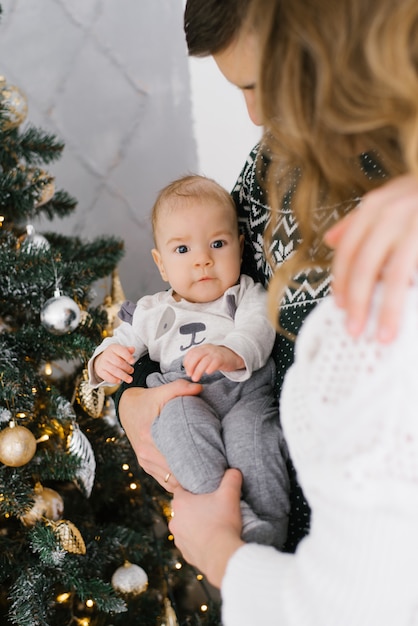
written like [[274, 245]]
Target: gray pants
[[229, 424]]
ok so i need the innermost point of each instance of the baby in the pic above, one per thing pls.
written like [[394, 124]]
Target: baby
[[211, 327]]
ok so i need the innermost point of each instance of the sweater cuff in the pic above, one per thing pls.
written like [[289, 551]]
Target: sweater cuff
[[142, 368], [250, 585]]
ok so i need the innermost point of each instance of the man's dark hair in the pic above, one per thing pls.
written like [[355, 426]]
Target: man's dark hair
[[211, 25]]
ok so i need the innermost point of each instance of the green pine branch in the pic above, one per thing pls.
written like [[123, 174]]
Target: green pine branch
[[61, 205]]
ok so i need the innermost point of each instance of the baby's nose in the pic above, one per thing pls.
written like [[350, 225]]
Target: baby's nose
[[203, 259]]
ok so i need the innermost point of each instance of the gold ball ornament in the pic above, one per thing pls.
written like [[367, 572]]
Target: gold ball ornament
[[17, 446], [111, 389], [47, 192], [47, 503], [90, 399], [130, 579], [45, 185], [14, 103]]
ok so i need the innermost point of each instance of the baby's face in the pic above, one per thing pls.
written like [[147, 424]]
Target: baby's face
[[199, 249]]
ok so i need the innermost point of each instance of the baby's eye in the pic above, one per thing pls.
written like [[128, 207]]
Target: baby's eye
[[217, 244], [182, 249]]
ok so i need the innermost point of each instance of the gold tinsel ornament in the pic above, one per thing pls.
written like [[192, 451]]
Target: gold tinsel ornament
[[69, 536], [112, 304], [90, 399], [170, 617]]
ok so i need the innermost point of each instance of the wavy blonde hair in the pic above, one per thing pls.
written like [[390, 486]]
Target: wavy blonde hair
[[337, 78]]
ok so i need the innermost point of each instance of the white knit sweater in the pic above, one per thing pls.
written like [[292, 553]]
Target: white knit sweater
[[350, 416]]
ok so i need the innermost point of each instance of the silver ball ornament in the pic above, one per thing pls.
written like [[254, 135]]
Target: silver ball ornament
[[60, 314], [33, 241]]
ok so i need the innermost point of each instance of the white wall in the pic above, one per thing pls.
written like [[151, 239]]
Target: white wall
[[114, 82], [223, 131]]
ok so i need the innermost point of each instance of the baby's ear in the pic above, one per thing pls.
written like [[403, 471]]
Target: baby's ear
[[159, 263], [241, 243]]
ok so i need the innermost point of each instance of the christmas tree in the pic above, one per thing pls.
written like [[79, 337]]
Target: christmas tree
[[83, 531]]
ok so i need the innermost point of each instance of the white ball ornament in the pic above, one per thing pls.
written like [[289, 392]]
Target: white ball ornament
[[130, 579], [60, 314]]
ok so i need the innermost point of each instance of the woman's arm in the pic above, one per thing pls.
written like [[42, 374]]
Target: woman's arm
[[207, 528]]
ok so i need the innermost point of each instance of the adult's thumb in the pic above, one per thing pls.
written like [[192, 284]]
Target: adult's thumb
[[232, 481], [180, 387]]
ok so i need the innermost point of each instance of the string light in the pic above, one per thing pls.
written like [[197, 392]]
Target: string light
[[133, 486], [125, 467], [178, 565], [48, 369], [1, 220], [89, 603], [63, 597], [204, 608], [199, 577], [42, 438]]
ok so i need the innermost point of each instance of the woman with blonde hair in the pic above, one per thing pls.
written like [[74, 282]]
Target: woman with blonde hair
[[338, 82], [338, 89]]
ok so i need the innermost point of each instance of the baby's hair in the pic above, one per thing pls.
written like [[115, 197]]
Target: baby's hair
[[186, 188]]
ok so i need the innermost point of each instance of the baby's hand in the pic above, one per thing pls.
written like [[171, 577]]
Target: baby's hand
[[114, 364], [208, 358]]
